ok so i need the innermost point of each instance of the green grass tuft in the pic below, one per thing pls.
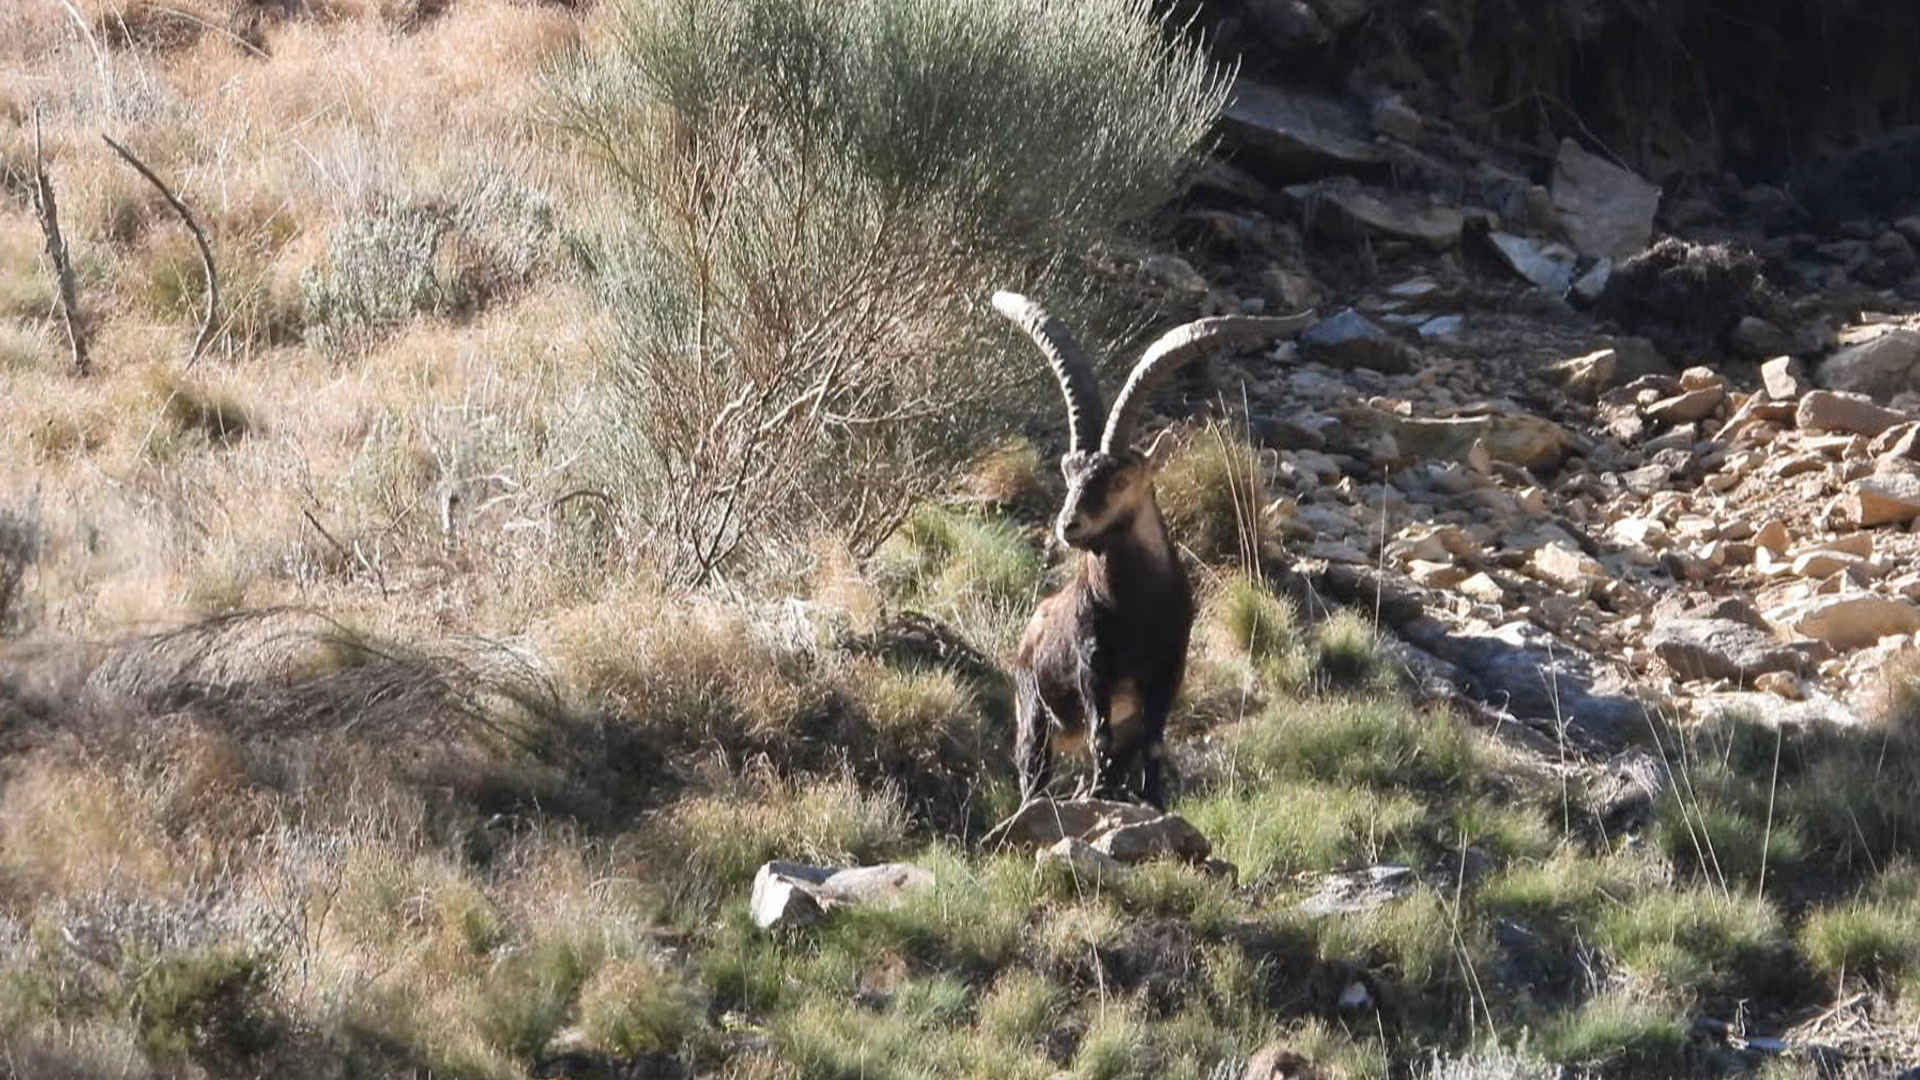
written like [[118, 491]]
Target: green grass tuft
[[1347, 653], [1876, 940], [1624, 1035], [1697, 942]]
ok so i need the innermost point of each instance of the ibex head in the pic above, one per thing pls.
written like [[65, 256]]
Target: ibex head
[[1109, 483]]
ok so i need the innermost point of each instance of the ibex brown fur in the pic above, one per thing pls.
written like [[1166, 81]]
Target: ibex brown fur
[[1102, 659]]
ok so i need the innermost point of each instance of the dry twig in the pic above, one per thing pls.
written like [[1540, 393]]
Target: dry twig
[[49, 211], [199, 238]]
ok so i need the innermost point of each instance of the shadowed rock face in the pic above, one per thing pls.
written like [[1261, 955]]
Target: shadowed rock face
[[1624, 68]]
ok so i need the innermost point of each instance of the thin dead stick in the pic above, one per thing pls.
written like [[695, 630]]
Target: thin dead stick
[[200, 238], [49, 209]]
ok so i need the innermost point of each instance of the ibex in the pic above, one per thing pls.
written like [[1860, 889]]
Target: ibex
[[1102, 660]]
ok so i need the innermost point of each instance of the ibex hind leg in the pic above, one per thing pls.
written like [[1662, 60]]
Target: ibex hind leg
[[1033, 738]]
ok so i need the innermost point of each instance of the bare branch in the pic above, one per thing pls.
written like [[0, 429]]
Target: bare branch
[[49, 211], [199, 238]]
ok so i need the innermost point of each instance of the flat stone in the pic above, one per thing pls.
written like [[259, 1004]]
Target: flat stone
[[1724, 649], [1394, 118], [1687, 408], [1175, 273], [1522, 439], [1164, 836], [1298, 136], [1854, 414], [1359, 890], [780, 901], [1897, 442], [1702, 377], [1607, 210], [1435, 575], [1548, 266], [1773, 537], [1483, 588], [1080, 858], [1344, 205], [1817, 565], [1567, 567], [1351, 340], [1588, 376], [1538, 677], [794, 894], [1042, 823]]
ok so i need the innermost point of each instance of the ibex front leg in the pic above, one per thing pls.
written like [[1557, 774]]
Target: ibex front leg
[[1033, 737], [1152, 745], [1106, 780]]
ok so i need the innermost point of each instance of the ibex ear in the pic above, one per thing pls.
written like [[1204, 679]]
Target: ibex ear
[[1161, 449]]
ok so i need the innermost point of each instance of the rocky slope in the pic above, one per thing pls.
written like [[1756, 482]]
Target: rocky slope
[[1589, 448]]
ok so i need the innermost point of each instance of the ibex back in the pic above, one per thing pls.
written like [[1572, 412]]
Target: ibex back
[[1102, 660]]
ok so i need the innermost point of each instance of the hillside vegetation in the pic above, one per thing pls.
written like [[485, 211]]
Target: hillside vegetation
[[606, 476]]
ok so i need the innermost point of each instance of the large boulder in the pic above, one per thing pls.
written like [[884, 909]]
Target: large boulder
[[1844, 411], [1725, 649], [1847, 620], [1879, 366], [1608, 211]]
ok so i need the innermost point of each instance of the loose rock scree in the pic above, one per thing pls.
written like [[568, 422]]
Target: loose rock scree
[[1101, 660]]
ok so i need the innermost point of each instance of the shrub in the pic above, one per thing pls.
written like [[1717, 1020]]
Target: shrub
[[976, 572], [720, 840], [821, 195], [195, 409], [407, 258], [1020, 1009], [1380, 743], [208, 1004]]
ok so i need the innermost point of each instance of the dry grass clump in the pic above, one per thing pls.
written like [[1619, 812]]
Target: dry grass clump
[[1212, 491], [633, 1007], [684, 678], [73, 830], [713, 843]]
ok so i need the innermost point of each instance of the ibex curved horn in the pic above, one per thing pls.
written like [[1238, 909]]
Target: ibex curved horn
[[1173, 350], [1085, 410]]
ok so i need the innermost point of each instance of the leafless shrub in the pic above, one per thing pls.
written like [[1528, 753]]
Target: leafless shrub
[[820, 197]]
